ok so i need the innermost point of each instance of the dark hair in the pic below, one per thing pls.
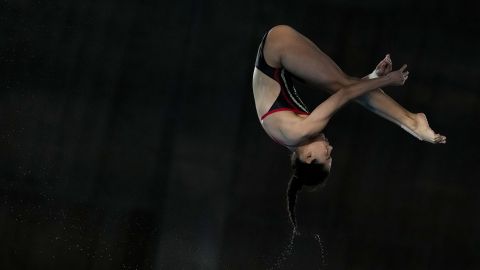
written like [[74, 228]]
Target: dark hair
[[312, 176]]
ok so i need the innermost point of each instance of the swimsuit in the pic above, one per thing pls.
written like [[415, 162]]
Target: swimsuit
[[288, 99]]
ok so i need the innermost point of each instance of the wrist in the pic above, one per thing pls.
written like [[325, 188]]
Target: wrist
[[373, 75], [388, 79]]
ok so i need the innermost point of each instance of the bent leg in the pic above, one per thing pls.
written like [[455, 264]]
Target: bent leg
[[288, 48], [285, 47]]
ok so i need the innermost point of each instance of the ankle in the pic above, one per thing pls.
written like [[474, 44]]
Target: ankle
[[411, 120]]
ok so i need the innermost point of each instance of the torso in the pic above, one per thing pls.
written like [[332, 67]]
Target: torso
[[265, 92], [277, 102]]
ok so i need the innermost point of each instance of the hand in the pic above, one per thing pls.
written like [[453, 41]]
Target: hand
[[384, 67], [398, 77]]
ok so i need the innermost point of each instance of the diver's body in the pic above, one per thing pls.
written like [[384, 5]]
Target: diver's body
[[285, 53]]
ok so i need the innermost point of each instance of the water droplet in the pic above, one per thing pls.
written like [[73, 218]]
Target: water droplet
[[286, 252], [322, 249]]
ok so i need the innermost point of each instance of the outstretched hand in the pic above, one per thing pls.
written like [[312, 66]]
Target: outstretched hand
[[398, 77]]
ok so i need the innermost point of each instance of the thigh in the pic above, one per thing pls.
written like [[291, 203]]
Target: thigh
[[288, 48]]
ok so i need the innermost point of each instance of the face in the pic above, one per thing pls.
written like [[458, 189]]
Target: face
[[318, 152]]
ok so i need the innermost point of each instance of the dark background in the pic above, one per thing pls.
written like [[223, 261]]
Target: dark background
[[129, 138]]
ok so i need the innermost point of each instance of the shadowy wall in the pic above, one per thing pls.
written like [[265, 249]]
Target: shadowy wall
[[129, 138]]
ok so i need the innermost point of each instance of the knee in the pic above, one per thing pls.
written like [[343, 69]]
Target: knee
[[282, 28], [282, 32], [280, 36]]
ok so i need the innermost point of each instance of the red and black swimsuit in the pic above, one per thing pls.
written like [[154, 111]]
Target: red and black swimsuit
[[288, 99]]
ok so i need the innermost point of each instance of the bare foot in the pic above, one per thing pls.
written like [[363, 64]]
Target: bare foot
[[423, 131]]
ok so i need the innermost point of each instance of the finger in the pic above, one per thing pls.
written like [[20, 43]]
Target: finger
[[388, 59], [403, 67], [406, 73], [405, 78]]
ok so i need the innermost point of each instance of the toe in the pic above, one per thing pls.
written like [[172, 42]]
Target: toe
[[440, 138]]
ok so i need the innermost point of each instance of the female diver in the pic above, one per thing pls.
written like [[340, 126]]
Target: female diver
[[284, 54]]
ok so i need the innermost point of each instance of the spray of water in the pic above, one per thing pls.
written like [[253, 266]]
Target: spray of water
[[323, 250], [288, 251]]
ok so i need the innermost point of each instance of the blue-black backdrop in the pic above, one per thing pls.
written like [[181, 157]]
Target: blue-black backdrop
[[129, 138]]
